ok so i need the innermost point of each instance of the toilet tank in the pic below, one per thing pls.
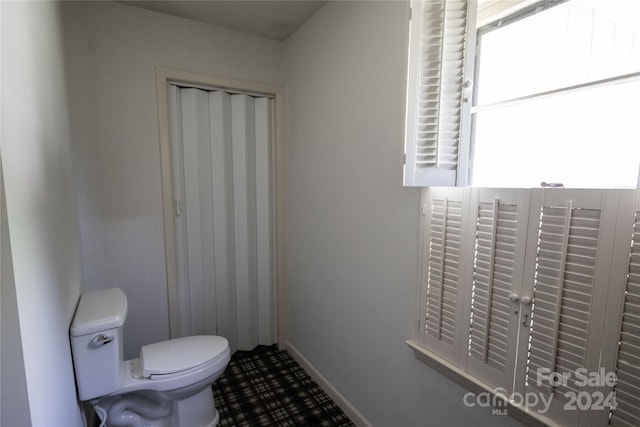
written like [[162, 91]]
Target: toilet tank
[[96, 342]]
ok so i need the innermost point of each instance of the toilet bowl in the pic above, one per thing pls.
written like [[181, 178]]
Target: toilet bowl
[[169, 384]]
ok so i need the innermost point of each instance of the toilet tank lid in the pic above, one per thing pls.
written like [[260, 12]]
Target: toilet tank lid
[[98, 311], [181, 354]]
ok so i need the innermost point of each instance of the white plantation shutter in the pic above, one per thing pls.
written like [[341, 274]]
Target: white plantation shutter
[[500, 237], [442, 271], [493, 274], [439, 47], [563, 293], [627, 388], [571, 284], [442, 274], [518, 283]]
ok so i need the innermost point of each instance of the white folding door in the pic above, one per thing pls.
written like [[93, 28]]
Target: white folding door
[[222, 188]]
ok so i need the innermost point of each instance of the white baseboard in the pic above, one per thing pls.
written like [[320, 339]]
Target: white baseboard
[[339, 399]]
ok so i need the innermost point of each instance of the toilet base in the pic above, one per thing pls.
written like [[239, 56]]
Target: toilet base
[[158, 409], [198, 410]]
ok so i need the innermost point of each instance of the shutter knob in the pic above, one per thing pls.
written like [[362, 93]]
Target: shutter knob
[[515, 298]]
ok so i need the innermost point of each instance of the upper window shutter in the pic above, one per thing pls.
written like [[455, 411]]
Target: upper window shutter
[[440, 56]]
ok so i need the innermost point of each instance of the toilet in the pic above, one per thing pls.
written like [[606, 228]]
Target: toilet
[[168, 385]]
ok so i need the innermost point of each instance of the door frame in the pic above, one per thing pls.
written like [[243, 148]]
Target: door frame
[[166, 76]]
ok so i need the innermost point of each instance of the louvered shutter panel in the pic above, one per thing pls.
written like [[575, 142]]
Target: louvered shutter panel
[[627, 388], [438, 52], [500, 237], [442, 272], [493, 274], [571, 281], [563, 295]]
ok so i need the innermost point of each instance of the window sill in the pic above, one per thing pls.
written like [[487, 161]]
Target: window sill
[[519, 412]]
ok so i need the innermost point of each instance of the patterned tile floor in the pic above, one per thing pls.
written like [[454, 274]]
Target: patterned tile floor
[[266, 387]]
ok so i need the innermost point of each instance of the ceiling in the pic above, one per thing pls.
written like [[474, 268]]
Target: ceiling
[[275, 20]]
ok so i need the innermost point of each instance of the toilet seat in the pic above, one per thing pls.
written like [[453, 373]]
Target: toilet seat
[[174, 357], [174, 364]]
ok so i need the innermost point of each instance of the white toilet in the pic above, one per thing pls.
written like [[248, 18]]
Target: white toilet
[[168, 385]]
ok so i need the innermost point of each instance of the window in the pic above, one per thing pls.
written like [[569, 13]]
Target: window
[[553, 99], [532, 294]]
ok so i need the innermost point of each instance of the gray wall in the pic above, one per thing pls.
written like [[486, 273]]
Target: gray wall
[[352, 229], [41, 221], [14, 402], [115, 51]]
